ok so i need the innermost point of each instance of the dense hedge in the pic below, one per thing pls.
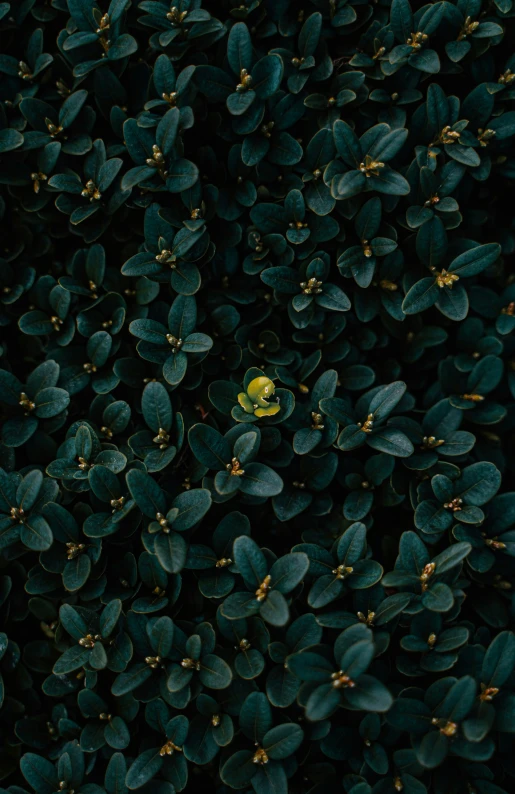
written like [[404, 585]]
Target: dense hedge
[[257, 387]]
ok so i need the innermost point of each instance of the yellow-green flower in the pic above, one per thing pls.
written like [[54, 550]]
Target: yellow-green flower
[[255, 400]]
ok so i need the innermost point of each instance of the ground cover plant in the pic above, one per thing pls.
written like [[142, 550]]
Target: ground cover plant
[[257, 392]]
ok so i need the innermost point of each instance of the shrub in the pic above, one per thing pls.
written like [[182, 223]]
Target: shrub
[[257, 383]]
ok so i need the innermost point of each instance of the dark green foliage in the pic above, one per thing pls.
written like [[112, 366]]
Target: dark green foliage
[[257, 392]]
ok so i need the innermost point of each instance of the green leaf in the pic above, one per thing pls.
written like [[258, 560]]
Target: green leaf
[[309, 666], [255, 716], [369, 694], [239, 48], [50, 402], [385, 147], [249, 664], [214, 83], [10, 388], [408, 714], [281, 687], [475, 260], [288, 571], [72, 622], [283, 740], [98, 657], [166, 131], [260, 480], [238, 104], [246, 447], [386, 399], [391, 441], [390, 183], [333, 299], [144, 768], [117, 734], [266, 79], [181, 175], [401, 20], [156, 407], [146, 493], [250, 560], [36, 533], [347, 143], [283, 279], [478, 483], [425, 61], [214, 672], [356, 659], [274, 609], [438, 598], [322, 702], [224, 395], [197, 343], [72, 659], [174, 368], [131, 679], [39, 773], [239, 769], [459, 699], [449, 558], [432, 749], [421, 296], [240, 605], [28, 490], [104, 483], [76, 573], [348, 185], [171, 550], [310, 34], [192, 506], [499, 660], [209, 447], [10, 139], [453, 303], [116, 771]]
